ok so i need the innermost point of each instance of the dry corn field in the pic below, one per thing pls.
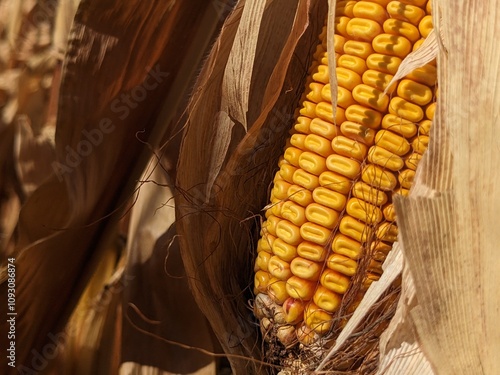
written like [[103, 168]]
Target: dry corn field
[[292, 187]]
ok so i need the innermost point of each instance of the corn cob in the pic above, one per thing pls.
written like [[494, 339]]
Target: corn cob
[[331, 217]]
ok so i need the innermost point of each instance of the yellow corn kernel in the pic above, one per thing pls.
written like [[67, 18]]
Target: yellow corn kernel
[[338, 43], [378, 178], [387, 232], [425, 26], [304, 179], [312, 163], [418, 44], [414, 92], [380, 156], [342, 264], [335, 182], [357, 48], [417, 3], [353, 63], [271, 225], [393, 45], [408, 111], [383, 63], [280, 189], [347, 78], [341, 25], [318, 319], [426, 75], [325, 128], [378, 80], [287, 171], [326, 93], [293, 310], [363, 29], [308, 109], [314, 94], [424, 128], [398, 27], [345, 8], [370, 97], [326, 299], [315, 233], [406, 178], [399, 126], [430, 110], [279, 268], [364, 116], [262, 261], [392, 142], [379, 250], [277, 291], [369, 194], [369, 10], [292, 155], [300, 289], [346, 167], [334, 281], [344, 97], [413, 160], [276, 207], [420, 144], [329, 198], [293, 213], [322, 75], [311, 251], [405, 12], [302, 124], [299, 195], [324, 111], [366, 212], [318, 214], [358, 132], [354, 229], [261, 281], [284, 250], [428, 7], [349, 148], [305, 269], [389, 213], [344, 245]]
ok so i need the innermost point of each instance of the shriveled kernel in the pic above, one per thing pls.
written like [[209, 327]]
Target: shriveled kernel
[[392, 142], [318, 319], [398, 27], [353, 63], [426, 75], [278, 268], [321, 215], [326, 299], [370, 97], [384, 158], [363, 29], [366, 212], [424, 127], [425, 26], [292, 155], [369, 10], [346, 167], [334, 281], [342, 264], [420, 143], [299, 195], [387, 232], [413, 160], [293, 310], [306, 335], [364, 116], [358, 132], [378, 80], [288, 234], [406, 178], [304, 179], [324, 128], [329, 198], [277, 291], [357, 48], [347, 78], [414, 92], [335, 182], [375, 267], [312, 163], [322, 75], [261, 281], [349, 148], [306, 269], [262, 261], [379, 250], [369, 194], [293, 213], [300, 289], [403, 108], [315, 233], [345, 245], [399, 125], [383, 63], [389, 212], [393, 45], [308, 109], [368, 280], [355, 229], [405, 12], [378, 178], [312, 251]]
